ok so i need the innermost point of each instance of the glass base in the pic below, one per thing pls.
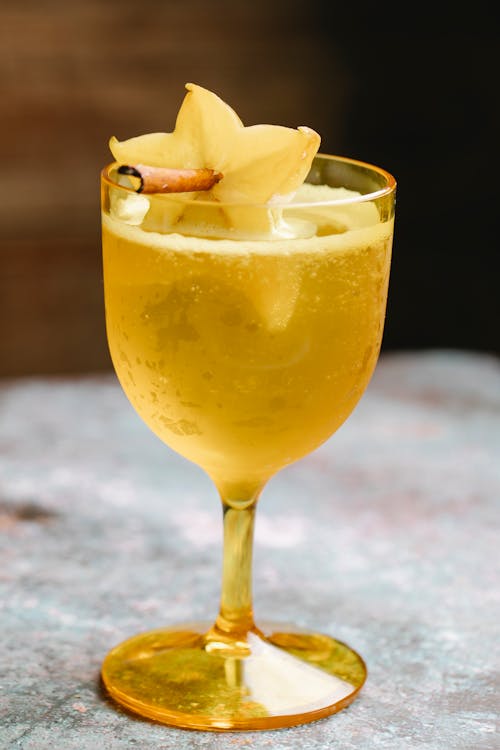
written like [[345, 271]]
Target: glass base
[[197, 677]]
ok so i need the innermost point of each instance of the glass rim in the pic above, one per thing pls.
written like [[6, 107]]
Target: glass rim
[[386, 190]]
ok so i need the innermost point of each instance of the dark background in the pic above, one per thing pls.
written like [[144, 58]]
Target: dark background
[[422, 105]]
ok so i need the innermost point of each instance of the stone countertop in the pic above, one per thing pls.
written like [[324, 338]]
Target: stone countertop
[[386, 537]]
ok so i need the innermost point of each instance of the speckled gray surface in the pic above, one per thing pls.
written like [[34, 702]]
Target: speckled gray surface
[[386, 537]]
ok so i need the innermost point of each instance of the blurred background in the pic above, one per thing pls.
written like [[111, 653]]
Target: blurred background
[[72, 74]]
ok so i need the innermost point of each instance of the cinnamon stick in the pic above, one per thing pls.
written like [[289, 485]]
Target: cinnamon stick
[[165, 180]]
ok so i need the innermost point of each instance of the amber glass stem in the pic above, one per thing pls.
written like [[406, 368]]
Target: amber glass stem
[[236, 612]]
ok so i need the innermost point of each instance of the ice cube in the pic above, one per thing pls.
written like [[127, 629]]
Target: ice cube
[[130, 209]]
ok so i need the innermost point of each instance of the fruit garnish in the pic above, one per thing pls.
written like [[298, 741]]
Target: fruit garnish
[[258, 163]]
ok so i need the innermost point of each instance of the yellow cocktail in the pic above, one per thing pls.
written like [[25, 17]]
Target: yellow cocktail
[[244, 332], [244, 356]]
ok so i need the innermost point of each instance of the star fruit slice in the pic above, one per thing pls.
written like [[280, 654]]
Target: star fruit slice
[[258, 163]]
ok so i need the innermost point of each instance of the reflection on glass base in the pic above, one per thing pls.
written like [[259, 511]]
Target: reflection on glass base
[[196, 677]]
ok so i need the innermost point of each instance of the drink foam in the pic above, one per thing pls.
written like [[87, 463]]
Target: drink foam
[[318, 217]]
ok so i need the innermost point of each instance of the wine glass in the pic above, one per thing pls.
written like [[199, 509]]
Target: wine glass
[[244, 336]]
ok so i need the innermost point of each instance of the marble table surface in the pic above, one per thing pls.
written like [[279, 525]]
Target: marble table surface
[[386, 537]]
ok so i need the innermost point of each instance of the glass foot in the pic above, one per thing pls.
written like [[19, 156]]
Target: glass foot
[[193, 676]]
